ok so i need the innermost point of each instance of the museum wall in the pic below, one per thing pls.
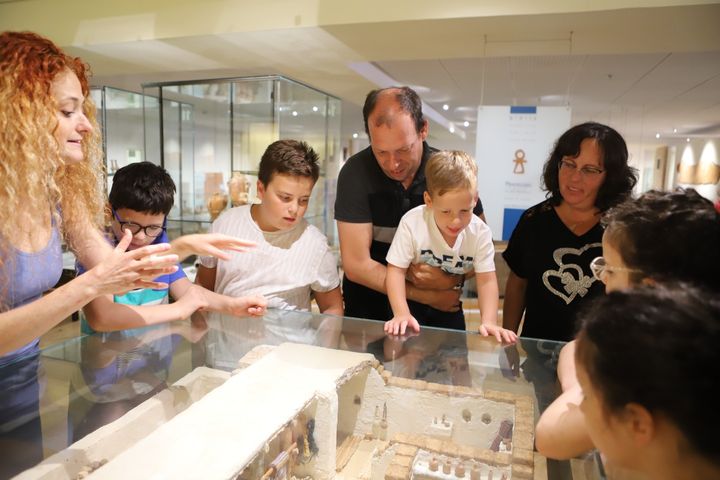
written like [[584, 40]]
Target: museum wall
[[698, 166]]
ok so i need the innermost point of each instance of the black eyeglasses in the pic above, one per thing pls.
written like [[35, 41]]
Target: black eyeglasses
[[149, 230], [586, 171]]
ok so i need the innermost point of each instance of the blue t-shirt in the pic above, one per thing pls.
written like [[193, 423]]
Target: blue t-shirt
[[141, 296]]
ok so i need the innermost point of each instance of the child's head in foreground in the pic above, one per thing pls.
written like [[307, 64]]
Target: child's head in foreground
[[646, 360], [141, 197], [286, 176], [659, 237], [451, 179]]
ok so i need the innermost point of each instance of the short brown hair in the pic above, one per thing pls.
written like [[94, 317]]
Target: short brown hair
[[450, 170], [289, 157]]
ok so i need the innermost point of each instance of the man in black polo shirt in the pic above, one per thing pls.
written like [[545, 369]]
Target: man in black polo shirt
[[376, 187]]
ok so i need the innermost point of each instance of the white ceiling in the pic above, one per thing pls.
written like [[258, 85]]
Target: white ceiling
[[640, 94], [642, 70]]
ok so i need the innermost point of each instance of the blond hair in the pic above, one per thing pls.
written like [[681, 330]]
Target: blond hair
[[33, 174], [450, 170]]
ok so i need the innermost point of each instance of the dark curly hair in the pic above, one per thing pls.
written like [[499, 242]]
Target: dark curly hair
[[620, 178], [664, 357], [408, 100], [668, 236]]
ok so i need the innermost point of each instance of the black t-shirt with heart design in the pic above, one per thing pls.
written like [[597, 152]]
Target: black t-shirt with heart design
[[556, 264]]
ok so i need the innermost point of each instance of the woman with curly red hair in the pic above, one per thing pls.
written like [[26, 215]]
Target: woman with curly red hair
[[50, 189]]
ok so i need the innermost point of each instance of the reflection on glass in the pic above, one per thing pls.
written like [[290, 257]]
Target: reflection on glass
[[21, 440]]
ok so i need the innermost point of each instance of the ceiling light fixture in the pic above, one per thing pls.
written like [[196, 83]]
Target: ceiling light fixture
[[687, 139], [315, 109], [452, 129], [674, 130], [446, 107], [355, 135], [466, 123], [657, 135], [294, 114]]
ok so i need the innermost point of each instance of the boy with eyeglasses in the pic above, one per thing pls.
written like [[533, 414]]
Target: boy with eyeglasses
[[141, 197]]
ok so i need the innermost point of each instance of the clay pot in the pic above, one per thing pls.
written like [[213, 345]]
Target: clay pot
[[238, 186], [217, 204]]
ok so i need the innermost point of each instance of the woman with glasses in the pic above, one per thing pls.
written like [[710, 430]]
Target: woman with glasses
[[550, 250], [658, 238]]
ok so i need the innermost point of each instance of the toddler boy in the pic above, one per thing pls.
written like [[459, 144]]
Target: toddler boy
[[444, 233]]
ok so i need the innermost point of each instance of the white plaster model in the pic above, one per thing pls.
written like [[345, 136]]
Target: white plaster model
[[218, 437], [299, 411], [109, 441]]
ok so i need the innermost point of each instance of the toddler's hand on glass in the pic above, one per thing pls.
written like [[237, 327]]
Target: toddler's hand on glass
[[399, 324]]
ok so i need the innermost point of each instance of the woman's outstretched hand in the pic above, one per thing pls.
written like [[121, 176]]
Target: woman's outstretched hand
[[124, 270]]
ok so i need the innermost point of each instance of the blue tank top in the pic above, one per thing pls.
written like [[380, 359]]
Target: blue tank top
[[28, 275]]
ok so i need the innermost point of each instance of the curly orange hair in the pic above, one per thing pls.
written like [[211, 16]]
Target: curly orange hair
[[33, 175]]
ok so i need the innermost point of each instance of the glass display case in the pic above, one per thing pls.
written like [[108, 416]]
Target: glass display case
[[207, 132], [289, 395], [120, 115]]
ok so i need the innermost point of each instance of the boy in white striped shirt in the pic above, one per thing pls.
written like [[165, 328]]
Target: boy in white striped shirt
[[292, 261]]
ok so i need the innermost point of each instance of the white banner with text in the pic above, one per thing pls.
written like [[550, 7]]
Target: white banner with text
[[512, 146]]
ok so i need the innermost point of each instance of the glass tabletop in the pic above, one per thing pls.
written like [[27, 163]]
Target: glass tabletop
[[64, 394]]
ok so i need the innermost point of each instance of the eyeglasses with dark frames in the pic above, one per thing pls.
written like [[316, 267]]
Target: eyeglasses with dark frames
[[151, 231], [586, 171]]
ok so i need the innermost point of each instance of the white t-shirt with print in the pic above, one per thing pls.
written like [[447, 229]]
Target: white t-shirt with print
[[284, 266], [418, 240]]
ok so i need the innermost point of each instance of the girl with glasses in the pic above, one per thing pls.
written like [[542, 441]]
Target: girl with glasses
[[660, 237]]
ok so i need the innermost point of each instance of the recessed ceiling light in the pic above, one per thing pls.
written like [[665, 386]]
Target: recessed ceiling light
[[446, 107], [657, 135], [688, 139], [674, 130], [315, 109], [452, 129], [466, 123], [294, 114], [355, 135]]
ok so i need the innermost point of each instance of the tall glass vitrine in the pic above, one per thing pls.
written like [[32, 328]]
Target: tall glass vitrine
[[120, 115], [204, 132]]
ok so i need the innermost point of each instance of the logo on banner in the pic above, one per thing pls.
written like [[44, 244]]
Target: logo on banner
[[519, 162]]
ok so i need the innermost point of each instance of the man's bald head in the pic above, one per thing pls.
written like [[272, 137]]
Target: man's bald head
[[384, 104]]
